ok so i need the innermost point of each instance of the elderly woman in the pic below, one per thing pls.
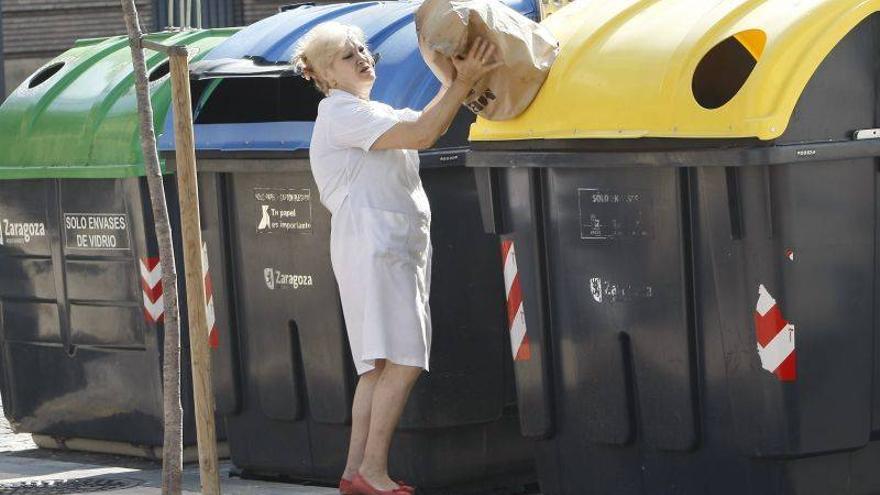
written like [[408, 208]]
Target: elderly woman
[[365, 162]]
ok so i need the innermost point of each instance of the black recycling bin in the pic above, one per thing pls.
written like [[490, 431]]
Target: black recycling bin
[[81, 310], [696, 245], [253, 125]]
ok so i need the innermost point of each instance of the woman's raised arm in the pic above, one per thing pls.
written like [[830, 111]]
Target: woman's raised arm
[[424, 132]]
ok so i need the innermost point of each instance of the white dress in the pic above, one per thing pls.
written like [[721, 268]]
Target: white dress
[[380, 243]]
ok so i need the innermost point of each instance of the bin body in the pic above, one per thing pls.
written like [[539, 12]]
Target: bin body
[[297, 365], [82, 315], [460, 424], [705, 309]]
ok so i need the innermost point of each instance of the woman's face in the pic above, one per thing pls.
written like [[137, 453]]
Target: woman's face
[[352, 68]]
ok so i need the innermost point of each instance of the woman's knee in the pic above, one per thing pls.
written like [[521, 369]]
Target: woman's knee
[[375, 373], [371, 375], [403, 371]]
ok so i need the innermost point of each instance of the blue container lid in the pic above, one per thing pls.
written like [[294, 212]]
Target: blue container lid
[[402, 77]]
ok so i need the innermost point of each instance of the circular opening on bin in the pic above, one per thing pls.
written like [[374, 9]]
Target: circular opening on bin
[[160, 71], [44, 75], [725, 68]]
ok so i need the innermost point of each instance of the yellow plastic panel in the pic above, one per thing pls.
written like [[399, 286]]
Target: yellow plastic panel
[[625, 67]]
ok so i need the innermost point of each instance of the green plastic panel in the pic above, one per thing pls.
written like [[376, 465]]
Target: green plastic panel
[[81, 121]]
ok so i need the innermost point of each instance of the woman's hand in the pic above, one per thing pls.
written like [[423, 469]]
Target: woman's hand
[[433, 122], [448, 73], [440, 65], [477, 63]]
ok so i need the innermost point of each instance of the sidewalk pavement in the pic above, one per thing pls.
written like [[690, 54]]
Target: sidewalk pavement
[[39, 465], [22, 462]]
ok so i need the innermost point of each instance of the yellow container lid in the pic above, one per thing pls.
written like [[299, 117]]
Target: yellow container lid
[[679, 68]]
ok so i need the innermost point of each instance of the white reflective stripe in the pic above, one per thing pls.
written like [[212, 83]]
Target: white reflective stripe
[[155, 309], [517, 330], [778, 349], [204, 257], [210, 313], [509, 270], [151, 277], [209, 309], [765, 301]]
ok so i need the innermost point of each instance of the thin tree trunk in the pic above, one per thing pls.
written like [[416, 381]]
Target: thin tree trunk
[[172, 452]]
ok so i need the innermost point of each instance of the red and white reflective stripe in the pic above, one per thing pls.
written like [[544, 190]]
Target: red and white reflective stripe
[[519, 339], [775, 338], [213, 336], [151, 283]]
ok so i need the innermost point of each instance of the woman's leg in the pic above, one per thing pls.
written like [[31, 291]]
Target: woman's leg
[[389, 398], [360, 419]]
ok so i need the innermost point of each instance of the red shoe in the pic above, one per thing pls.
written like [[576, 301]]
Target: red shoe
[[363, 488], [406, 487], [346, 488]]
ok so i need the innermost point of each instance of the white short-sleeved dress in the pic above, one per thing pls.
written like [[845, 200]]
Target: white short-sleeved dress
[[380, 242]]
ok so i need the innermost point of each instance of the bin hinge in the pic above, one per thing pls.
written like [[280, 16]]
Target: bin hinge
[[866, 134]]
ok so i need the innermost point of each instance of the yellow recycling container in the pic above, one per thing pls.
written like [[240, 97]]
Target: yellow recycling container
[[689, 223]]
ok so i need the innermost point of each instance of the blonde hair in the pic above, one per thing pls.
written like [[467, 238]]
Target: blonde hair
[[314, 53]]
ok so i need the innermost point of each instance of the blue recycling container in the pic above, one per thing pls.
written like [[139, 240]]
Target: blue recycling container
[[253, 124]]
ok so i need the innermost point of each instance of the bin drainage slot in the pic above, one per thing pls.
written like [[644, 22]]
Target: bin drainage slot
[[65, 486], [733, 204], [298, 371], [724, 69], [632, 394], [45, 74]]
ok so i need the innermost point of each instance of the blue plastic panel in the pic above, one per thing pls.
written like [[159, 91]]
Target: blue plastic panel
[[402, 77]]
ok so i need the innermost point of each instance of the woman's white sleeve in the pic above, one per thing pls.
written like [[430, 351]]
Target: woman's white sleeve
[[358, 124], [408, 114]]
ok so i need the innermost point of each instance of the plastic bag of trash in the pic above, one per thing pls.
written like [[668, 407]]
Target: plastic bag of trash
[[446, 28]]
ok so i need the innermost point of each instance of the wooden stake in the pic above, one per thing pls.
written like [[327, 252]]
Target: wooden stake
[[191, 231]]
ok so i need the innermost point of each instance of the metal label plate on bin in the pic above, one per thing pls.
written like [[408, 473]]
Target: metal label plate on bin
[[15, 231], [96, 231], [605, 290], [280, 279], [607, 214], [283, 210]]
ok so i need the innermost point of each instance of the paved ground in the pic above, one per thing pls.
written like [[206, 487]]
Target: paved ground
[[21, 461], [16, 469], [10, 441], [20, 466]]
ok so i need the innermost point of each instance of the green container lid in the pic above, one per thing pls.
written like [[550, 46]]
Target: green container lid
[[76, 117]]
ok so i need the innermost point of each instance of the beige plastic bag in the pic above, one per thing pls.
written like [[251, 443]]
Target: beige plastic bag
[[446, 28]]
